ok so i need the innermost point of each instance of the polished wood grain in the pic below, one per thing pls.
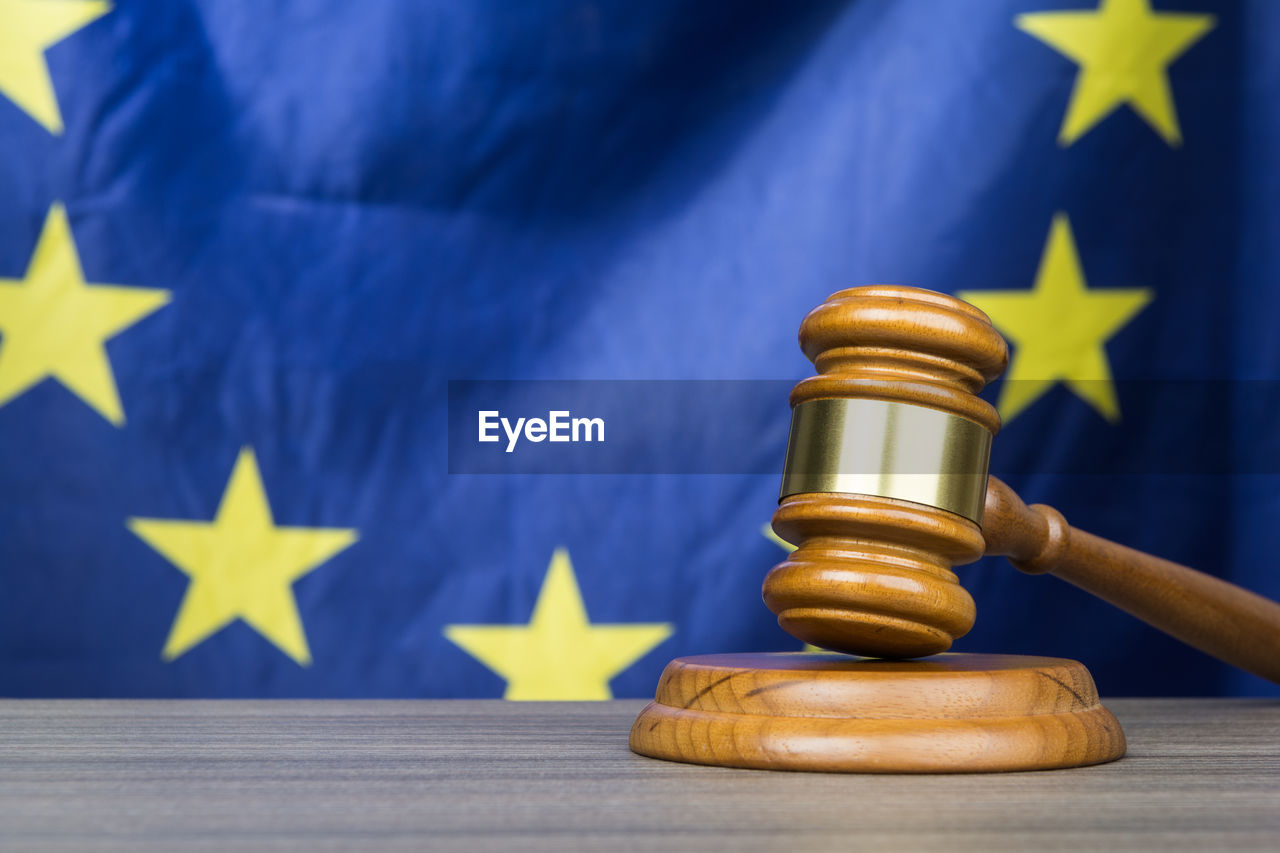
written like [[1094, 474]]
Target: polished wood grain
[[1219, 618], [872, 575], [828, 712], [153, 776]]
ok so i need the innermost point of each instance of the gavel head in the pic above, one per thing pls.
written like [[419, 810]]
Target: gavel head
[[886, 472]]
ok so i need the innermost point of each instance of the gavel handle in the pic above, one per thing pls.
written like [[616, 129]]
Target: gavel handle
[[1218, 618]]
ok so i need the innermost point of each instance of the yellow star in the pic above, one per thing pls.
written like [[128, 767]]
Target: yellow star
[[1123, 50], [27, 29], [767, 530], [241, 566], [559, 655], [53, 324], [1059, 329]]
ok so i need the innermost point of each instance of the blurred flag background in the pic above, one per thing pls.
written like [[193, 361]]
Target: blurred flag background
[[244, 247]]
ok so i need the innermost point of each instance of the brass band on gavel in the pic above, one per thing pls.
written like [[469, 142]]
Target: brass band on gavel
[[890, 449]]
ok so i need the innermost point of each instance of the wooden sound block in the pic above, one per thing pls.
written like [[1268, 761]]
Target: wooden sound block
[[952, 713]]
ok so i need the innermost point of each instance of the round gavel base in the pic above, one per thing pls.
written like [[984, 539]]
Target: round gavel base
[[952, 713]]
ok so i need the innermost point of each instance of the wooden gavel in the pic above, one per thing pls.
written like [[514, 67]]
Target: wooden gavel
[[886, 488]]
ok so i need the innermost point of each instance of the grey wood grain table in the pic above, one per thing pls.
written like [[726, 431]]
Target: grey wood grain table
[[316, 775]]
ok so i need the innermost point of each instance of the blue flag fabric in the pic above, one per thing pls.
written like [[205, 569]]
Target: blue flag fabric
[[226, 431]]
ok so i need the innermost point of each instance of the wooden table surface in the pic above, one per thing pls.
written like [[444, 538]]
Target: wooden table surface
[[170, 775]]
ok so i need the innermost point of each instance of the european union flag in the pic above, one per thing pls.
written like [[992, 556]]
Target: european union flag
[[259, 261]]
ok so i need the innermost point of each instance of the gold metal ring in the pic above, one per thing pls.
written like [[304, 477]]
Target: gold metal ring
[[889, 449]]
